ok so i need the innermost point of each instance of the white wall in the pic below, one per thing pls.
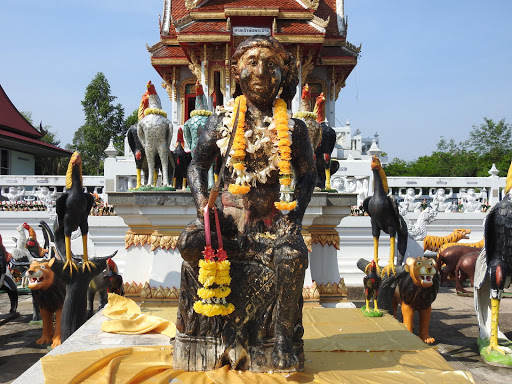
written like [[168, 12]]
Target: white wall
[[22, 163]]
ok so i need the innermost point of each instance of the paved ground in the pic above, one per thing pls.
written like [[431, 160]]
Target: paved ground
[[453, 325]]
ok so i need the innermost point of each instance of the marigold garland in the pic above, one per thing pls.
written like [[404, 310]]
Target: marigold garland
[[155, 111], [214, 276], [280, 159], [200, 112], [304, 114]]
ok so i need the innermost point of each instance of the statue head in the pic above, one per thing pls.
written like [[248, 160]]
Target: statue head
[[470, 191], [410, 191], [261, 66], [13, 191], [440, 191]]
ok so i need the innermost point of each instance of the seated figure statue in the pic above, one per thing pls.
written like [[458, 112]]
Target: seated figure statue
[[440, 202], [265, 247], [409, 204]]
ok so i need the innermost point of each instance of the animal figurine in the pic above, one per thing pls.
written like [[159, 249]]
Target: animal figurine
[[108, 282], [308, 117], [6, 283], [416, 290], [493, 274], [21, 253], [450, 257], [371, 283], [140, 155], [182, 159], [478, 244], [324, 150], [155, 134], [32, 244], [49, 292], [434, 243], [383, 211], [73, 208], [465, 269], [198, 118]]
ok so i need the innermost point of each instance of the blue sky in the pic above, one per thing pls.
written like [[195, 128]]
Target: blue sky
[[427, 68]]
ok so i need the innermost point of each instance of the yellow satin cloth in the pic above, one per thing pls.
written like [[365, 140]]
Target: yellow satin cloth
[[342, 346], [128, 320]]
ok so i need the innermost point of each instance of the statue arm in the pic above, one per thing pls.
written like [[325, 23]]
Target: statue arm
[[205, 153], [450, 194], [305, 170], [419, 193]]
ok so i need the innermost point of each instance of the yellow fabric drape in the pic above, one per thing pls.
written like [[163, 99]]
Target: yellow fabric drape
[[127, 319], [341, 346]]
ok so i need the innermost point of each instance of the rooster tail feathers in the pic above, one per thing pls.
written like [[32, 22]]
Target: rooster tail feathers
[[386, 292], [49, 238], [402, 240]]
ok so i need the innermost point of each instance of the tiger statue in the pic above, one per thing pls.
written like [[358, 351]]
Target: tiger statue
[[478, 244], [49, 292], [433, 243]]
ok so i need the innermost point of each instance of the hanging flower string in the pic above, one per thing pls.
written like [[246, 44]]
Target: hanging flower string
[[285, 155], [213, 271], [281, 153]]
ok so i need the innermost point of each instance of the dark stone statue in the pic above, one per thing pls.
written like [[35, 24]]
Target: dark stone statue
[[265, 247]]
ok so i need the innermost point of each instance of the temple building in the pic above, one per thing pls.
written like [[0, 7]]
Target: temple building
[[20, 142], [198, 38]]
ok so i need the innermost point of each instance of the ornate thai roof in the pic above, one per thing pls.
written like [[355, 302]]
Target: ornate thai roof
[[17, 133]]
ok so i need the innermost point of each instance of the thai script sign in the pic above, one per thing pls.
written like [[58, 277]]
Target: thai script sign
[[250, 31]]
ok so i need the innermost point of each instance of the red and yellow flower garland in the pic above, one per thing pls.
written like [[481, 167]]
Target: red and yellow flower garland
[[213, 270], [283, 126]]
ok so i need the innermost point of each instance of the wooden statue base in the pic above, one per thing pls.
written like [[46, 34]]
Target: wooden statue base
[[204, 353]]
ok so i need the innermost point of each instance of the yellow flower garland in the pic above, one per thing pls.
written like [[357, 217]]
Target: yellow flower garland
[[200, 112], [282, 124], [155, 111], [304, 114]]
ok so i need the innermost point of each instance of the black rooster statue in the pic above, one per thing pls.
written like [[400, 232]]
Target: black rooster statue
[[324, 166], [181, 159], [492, 275], [139, 154], [73, 209], [383, 211], [371, 282]]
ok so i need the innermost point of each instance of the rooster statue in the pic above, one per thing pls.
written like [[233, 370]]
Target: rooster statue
[[182, 159], [32, 244], [324, 166], [21, 253], [308, 117], [155, 134], [5, 281], [493, 273], [383, 211], [73, 208], [198, 117], [371, 282]]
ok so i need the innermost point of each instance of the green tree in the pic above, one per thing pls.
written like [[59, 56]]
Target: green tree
[[493, 143], [132, 119], [47, 165], [103, 121]]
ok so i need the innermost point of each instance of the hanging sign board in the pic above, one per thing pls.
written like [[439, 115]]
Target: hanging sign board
[[250, 31]]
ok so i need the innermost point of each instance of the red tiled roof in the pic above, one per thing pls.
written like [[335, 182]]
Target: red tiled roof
[[11, 136], [283, 5], [13, 120], [178, 9], [296, 27], [169, 51], [325, 9], [205, 26]]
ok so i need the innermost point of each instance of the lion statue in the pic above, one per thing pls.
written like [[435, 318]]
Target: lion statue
[[414, 288], [49, 292]]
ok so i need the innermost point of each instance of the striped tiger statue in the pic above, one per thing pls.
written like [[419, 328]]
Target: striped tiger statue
[[433, 243], [478, 244]]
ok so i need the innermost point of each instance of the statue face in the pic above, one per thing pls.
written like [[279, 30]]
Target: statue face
[[12, 190], [259, 73], [440, 191], [471, 191], [410, 191]]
